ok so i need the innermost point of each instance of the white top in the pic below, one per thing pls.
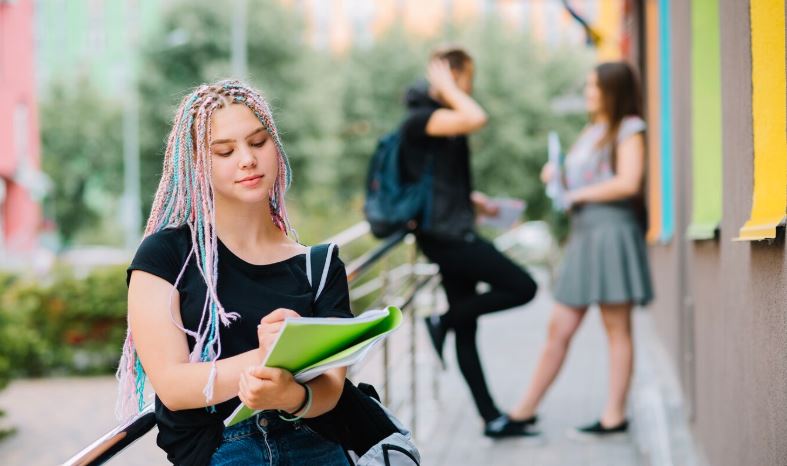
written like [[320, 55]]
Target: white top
[[586, 163]]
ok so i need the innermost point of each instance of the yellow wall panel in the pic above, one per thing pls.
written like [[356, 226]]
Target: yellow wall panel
[[769, 120]]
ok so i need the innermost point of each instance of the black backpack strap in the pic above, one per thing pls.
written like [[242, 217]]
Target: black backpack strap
[[318, 261]]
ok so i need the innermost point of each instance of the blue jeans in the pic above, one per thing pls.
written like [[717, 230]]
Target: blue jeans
[[267, 440]]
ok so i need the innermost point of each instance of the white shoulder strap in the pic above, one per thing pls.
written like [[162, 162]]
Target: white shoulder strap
[[325, 267], [309, 265]]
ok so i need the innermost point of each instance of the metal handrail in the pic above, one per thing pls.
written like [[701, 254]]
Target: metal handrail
[[130, 431], [360, 266], [116, 440]]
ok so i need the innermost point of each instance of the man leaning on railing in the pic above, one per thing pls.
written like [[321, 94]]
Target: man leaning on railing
[[441, 115]]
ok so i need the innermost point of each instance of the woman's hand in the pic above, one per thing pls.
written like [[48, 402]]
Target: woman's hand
[[547, 172], [439, 75], [263, 387], [270, 326]]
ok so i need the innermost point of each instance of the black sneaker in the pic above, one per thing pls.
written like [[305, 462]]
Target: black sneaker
[[531, 421], [437, 332], [504, 427], [598, 431]]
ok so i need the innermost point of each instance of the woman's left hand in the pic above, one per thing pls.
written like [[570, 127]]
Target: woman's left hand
[[270, 388]]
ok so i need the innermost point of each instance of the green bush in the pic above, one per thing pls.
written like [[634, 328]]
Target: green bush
[[70, 325], [18, 339]]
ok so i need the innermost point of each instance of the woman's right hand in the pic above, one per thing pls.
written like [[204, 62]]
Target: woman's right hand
[[548, 172], [270, 326]]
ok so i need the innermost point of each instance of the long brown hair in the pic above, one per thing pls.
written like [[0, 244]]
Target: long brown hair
[[620, 97]]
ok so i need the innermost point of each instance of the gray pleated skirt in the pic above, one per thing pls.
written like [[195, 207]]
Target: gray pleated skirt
[[605, 261]]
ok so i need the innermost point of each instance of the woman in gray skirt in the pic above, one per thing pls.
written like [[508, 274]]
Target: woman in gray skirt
[[605, 261]]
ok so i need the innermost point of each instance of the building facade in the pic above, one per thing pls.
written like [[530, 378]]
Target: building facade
[[92, 40], [21, 184], [717, 139]]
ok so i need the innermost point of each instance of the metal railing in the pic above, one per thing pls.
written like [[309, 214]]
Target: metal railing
[[398, 285]]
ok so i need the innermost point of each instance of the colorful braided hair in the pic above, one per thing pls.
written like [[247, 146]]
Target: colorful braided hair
[[185, 197]]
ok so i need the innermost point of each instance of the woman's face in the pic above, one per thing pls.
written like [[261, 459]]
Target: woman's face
[[244, 159], [593, 101]]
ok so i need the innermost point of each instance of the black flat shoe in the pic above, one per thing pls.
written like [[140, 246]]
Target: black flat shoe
[[437, 332], [597, 431], [503, 427]]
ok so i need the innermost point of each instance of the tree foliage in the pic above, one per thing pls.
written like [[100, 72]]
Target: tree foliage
[[82, 154], [330, 109]]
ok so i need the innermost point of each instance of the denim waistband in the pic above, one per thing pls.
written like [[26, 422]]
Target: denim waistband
[[266, 422]]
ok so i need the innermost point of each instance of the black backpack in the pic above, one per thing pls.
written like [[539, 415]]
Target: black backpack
[[390, 204], [369, 434]]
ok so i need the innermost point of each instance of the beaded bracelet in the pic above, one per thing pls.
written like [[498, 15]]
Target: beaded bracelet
[[303, 409]]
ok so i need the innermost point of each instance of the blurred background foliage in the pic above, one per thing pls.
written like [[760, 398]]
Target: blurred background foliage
[[330, 109], [69, 324]]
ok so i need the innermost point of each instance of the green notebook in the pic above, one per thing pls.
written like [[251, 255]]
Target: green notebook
[[309, 346]]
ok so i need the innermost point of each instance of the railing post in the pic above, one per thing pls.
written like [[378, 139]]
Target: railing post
[[384, 289], [435, 373], [413, 253]]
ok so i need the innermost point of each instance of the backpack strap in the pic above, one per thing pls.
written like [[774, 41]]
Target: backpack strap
[[318, 260]]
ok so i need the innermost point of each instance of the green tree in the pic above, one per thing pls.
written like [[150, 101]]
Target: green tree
[[82, 153], [330, 109], [293, 77], [375, 78], [517, 81]]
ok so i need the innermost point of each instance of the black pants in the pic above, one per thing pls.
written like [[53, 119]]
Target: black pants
[[464, 263]]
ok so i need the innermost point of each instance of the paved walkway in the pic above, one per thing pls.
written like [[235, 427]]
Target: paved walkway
[[57, 417], [510, 342]]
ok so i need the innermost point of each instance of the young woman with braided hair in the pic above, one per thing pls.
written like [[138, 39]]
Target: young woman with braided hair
[[218, 271]]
